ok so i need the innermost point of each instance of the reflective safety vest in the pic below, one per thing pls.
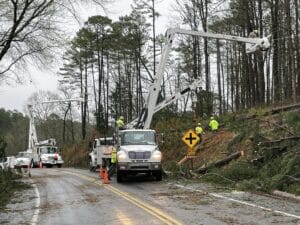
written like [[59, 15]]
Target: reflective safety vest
[[113, 156], [120, 123], [214, 125], [199, 130]]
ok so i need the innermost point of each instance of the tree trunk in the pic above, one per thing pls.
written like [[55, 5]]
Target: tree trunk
[[219, 76], [275, 31]]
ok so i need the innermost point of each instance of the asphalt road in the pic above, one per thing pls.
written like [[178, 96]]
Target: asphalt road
[[73, 196]]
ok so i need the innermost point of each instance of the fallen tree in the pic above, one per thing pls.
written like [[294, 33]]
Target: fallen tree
[[284, 108], [279, 141], [220, 163]]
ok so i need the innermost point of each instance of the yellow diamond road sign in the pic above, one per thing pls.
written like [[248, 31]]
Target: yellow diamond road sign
[[190, 138]]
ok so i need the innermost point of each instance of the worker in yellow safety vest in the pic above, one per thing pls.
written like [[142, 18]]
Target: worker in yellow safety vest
[[120, 123], [199, 131], [113, 162], [213, 124]]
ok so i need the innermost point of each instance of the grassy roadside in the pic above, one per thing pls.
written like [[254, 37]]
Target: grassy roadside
[[9, 184]]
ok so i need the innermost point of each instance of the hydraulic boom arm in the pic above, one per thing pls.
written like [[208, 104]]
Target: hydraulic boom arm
[[32, 140], [151, 106]]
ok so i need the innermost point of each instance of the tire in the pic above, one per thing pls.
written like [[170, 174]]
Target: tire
[[91, 167], [158, 176], [119, 177]]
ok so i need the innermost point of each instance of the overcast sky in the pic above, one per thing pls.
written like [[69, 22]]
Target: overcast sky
[[15, 97]]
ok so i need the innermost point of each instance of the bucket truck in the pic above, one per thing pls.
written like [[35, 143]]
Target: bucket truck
[[137, 148], [46, 151], [100, 154]]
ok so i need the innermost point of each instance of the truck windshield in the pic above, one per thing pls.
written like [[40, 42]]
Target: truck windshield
[[48, 150], [106, 142], [138, 138]]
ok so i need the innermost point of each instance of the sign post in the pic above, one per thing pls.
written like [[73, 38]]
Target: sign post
[[190, 138]]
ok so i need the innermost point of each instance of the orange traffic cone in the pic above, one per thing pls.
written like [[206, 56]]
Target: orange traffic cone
[[105, 177], [101, 174]]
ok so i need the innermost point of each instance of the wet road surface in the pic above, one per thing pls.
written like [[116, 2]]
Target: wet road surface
[[73, 196]]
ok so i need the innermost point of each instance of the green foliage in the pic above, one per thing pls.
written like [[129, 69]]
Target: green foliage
[[231, 122], [281, 172], [293, 121], [14, 130], [3, 145], [9, 183], [238, 171]]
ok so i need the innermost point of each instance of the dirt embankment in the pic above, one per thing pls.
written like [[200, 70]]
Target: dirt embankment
[[213, 147]]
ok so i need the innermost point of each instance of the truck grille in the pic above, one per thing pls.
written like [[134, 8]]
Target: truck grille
[[139, 155]]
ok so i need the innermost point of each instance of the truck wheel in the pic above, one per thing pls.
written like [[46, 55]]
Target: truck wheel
[[119, 177], [91, 167], [158, 176]]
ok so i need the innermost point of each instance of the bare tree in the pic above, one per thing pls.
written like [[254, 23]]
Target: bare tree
[[43, 111], [32, 31]]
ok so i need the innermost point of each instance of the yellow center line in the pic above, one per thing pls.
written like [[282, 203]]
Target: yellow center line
[[122, 218], [167, 219]]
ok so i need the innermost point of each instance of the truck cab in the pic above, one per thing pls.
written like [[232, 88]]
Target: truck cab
[[24, 159], [138, 153], [49, 154], [100, 153]]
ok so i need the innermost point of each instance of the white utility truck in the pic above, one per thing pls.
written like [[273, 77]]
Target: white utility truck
[[100, 154], [45, 152], [24, 160], [138, 152], [143, 156], [49, 153]]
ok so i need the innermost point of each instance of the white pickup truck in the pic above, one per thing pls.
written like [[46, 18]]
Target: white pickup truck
[[138, 152], [8, 162], [24, 160], [100, 154]]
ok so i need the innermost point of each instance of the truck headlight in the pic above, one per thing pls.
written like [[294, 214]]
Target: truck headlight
[[156, 155], [121, 156]]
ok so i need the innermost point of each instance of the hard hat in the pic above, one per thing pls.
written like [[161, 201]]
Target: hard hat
[[212, 118], [255, 31], [199, 124], [113, 150], [121, 118]]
